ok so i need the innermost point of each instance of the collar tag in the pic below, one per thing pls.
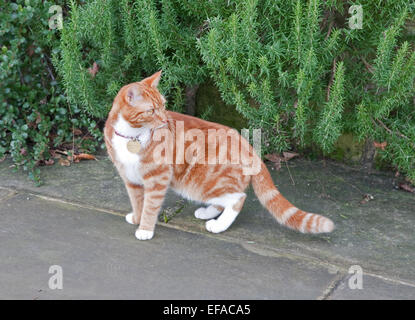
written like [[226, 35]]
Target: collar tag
[[134, 146]]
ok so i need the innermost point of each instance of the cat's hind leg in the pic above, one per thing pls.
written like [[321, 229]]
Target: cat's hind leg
[[233, 204], [208, 213]]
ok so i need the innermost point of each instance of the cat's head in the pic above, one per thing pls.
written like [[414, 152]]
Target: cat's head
[[141, 104]]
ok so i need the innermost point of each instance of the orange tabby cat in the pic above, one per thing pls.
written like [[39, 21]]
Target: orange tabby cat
[[133, 131]]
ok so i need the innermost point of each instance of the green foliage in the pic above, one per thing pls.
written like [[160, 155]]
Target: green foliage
[[128, 40], [298, 71], [386, 112], [329, 127], [34, 114], [293, 68]]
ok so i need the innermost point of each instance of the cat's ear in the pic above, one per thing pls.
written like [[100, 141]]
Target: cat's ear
[[133, 96], [153, 80]]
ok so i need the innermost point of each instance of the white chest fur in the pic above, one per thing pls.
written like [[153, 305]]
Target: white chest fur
[[130, 162]]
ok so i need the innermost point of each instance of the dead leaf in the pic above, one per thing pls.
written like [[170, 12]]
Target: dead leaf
[[277, 165], [64, 162], [276, 159], [406, 187], [54, 154], [289, 155], [2, 158], [36, 122], [273, 157], [72, 159], [380, 145], [61, 152], [45, 162], [49, 162], [30, 50], [81, 156], [366, 198], [77, 132], [85, 156], [93, 70]]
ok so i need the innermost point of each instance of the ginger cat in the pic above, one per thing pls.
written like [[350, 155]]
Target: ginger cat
[[132, 135]]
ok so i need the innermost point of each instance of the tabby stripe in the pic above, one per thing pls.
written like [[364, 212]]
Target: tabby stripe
[[314, 227], [219, 191], [157, 196], [133, 186], [321, 223], [153, 173], [269, 195], [187, 174], [288, 214], [309, 223], [307, 217], [157, 187]]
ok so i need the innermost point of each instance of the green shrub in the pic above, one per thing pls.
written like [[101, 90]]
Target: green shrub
[[34, 113], [293, 68], [128, 40], [313, 78]]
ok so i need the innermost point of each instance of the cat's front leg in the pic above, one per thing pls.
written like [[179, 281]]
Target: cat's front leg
[[136, 195], [155, 189]]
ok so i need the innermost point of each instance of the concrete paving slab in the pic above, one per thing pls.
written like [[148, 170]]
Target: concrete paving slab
[[95, 183], [4, 193], [373, 288], [92, 182], [101, 259], [377, 235]]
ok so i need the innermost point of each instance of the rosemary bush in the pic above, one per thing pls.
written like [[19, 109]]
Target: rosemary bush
[[293, 68]]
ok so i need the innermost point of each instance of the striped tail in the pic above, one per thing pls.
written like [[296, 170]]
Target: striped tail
[[285, 213]]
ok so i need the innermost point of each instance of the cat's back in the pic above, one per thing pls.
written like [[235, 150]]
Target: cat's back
[[190, 122]]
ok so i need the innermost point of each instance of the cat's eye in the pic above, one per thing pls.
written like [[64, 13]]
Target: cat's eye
[[149, 112]]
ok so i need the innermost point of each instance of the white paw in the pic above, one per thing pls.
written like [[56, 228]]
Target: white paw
[[200, 213], [129, 218], [215, 226], [144, 234], [207, 213]]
